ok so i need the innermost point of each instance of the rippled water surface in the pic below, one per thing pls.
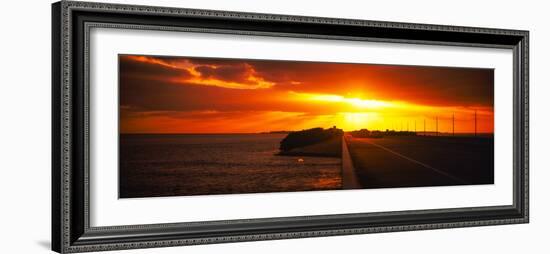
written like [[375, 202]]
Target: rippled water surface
[[179, 165]]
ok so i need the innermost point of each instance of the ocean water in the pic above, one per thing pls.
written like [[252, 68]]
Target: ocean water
[[153, 165]]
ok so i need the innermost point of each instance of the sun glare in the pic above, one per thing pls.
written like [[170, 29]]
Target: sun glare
[[356, 121], [355, 102], [356, 113]]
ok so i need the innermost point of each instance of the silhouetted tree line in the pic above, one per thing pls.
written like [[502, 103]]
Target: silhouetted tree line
[[308, 137]]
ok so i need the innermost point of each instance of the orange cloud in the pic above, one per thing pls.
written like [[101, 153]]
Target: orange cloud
[[227, 76]]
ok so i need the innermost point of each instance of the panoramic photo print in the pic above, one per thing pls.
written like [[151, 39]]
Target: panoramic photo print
[[203, 126]]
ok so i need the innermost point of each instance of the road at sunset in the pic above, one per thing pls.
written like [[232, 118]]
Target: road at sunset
[[421, 161]]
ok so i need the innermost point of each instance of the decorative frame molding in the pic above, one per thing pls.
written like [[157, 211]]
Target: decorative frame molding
[[71, 23]]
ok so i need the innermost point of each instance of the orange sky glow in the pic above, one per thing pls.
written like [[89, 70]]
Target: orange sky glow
[[160, 94]]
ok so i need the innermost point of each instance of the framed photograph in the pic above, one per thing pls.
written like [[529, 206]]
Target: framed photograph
[[181, 126]]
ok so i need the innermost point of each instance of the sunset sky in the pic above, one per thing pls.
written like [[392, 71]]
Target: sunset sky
[[214, 95]]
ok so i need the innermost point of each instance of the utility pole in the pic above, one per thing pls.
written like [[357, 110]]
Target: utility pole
[[436, 126], [475, 123], [453, 124], [414, 126]]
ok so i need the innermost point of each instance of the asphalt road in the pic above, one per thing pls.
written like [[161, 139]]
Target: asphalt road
[[422, 161]]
